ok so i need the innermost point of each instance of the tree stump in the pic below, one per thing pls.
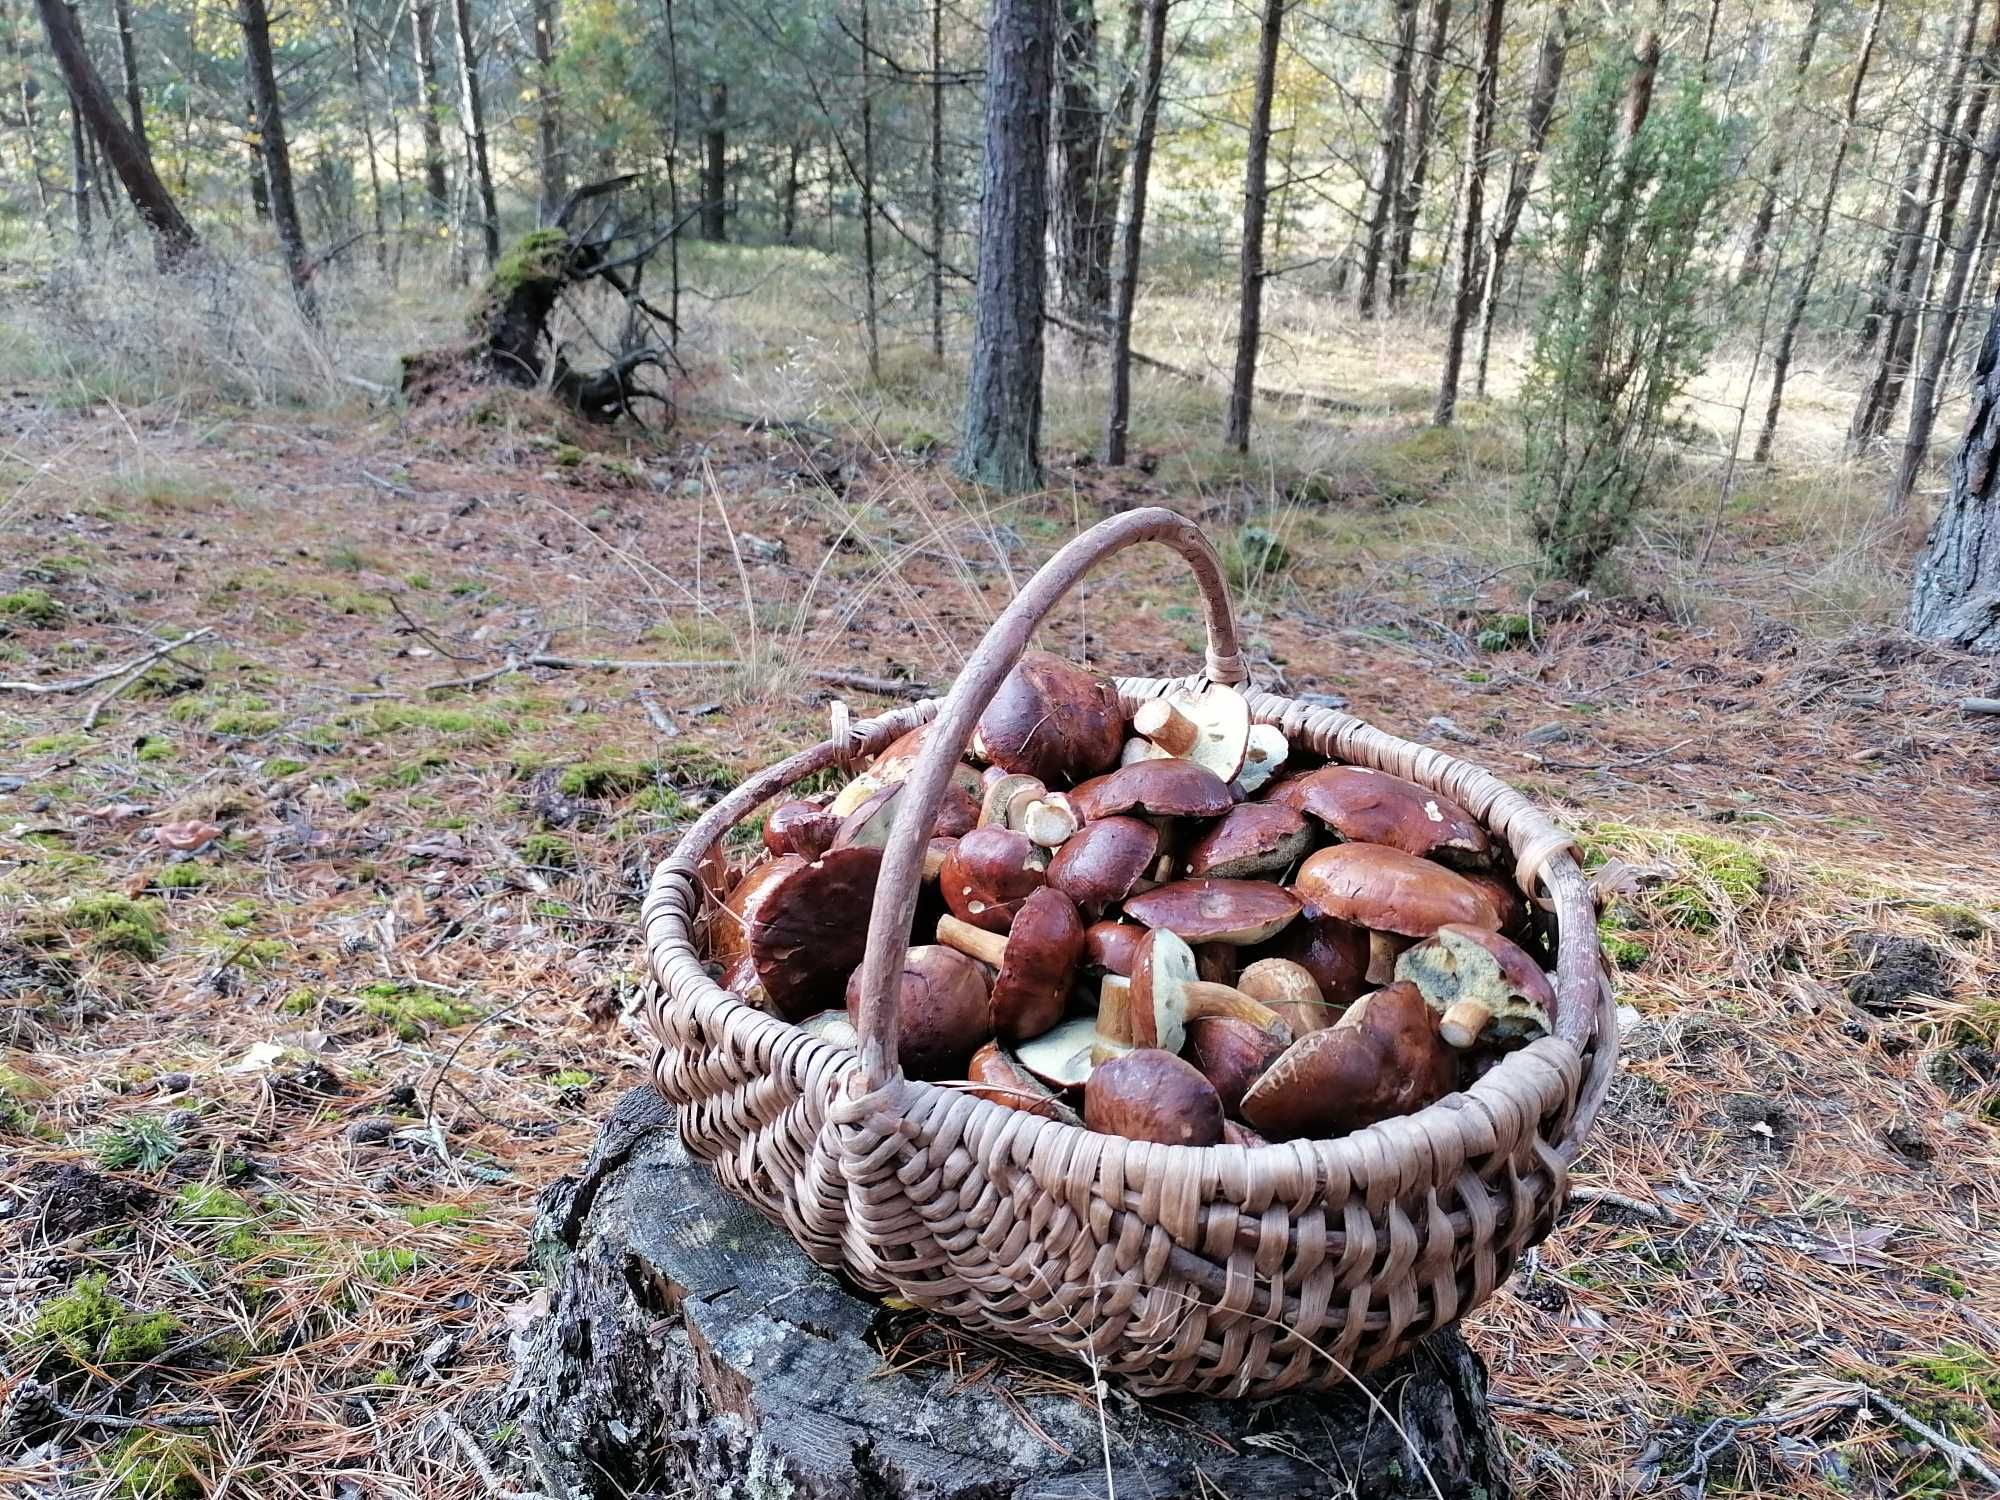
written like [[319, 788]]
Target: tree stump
[[693, 1349]]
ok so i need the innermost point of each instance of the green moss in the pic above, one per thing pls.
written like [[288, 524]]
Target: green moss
[[604, 776], [348, 558], [1963, 1370], [1253, 554], [154, 749], [189, 875], [56, 744], [535, 256], [547, 851], [228, 1218], [32, 607], [300, 1002], [663, 801], [118, 924], [150, 1465], [245, 723], [143, 1143], [279, 766], [461, 725], [424, 1216], [568, 456], [388, 1264], [1624, 950], [571, 1078], [413, 771], [239, 916], [1714, 879], [355, 800], [384, 1377], [690, 766], [411, 1010], [90, 1326], [1504, 632]]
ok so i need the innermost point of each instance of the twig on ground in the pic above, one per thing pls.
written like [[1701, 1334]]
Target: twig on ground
[[34, 1404], [1724, 1431], [423, 631], [1979, 705], [517, 864], [1589, 1196], [469, 1446], [79, 684], [890, 687]]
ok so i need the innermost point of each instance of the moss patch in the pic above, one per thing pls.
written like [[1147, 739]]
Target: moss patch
[[160, 1466], [118, 924], [32, 607], [222, 1214], [88, 1325], [389, 1264], [411, 1010], [460, 725]]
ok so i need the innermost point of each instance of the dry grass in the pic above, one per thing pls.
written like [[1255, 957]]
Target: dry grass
[[422, 897]]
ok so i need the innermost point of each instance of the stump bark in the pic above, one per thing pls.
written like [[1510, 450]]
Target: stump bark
[[693, 1349]]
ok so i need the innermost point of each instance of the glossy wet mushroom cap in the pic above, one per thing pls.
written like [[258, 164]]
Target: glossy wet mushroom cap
[[989, 873], [1151, 1095], [809, 930], [1217, 911], [1052, 720], [1365, 806], [1230, 1054], [1035, 962], [729, 928], [1155, 788], [1508, 902], [1109, 946], [1483, 987], [1103, 862], [942, 1016], [1387, 890], [997, 1074], [1289, 989], [1384, 1059], [800, 827], [1334, 952], [1256, 838]]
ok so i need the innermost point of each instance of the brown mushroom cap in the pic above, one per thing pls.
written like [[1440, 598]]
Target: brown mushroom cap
[[1387, 890], [989, 873], [1052, 720], [1217, 911], [1151, 1095], [1365, 806], [1383, 1059], [1506, 897], [1255, 838], [1231, 1054], [741, 980], [800, 827], [1044, 946], [899, 757], [1289, 989], [1460, 965], [1110, 946], [942, 1015], [809, 930], [1236, 1133], [1155, 788], [1102, 861], [729, 929], [1334, 952], [998, 1075]]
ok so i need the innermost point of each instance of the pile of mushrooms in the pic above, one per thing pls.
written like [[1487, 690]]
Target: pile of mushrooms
[[1172, 929]]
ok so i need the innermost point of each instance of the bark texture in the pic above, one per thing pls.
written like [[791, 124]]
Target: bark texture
[[548, 110], [128, 68], [430, 106], [1549, 59], [1389, 182], [1001, 444], [1469, 280], [1774, 167], [256, 24], [691, 1348], [1086, 163], [173, 237], [472, 111], [1956, 594], [715, 165], [1132, 236], [1256, 197], [1423, 117]]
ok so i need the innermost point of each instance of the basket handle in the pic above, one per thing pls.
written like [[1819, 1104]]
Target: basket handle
[[901, 877]]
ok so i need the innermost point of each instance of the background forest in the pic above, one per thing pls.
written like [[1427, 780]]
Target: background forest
[[445, 443]]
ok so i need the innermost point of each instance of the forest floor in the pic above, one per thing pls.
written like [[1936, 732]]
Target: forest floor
[[319, 956]]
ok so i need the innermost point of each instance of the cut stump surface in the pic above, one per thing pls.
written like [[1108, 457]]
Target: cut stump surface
[[692, 1349]]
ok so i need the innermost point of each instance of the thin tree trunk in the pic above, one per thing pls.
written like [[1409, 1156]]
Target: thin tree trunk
[[1086, 163], [128, 67], [548, 110], [430, 107], [474, 125], [1388, 184], [79, 177], [1410, 201], [1880, 398], [715, 165], [256, 24], [358, 67], [1924, 396], [1472, 208], [1781, 142], [1955, 595], [870, 286], [1549, 59], [173, 237], [1001, 444], [1781, 362], [788, 203], [1892, 245], [260, 187], [1132, 234], [937, 180], [1250, 287], [30, 125]]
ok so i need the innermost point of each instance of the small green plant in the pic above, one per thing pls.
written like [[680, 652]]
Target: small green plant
[[225, 1216], [1253, 554], [156, 749], [161, 1466], [32, 607], [389, 1264], [423, 1216], [188, 875], [280, 766], [118, 924], [88, 1325], [411, 1010], [571, 1078], [345, 557], [547, 851], [604, 776], [143, 1143]]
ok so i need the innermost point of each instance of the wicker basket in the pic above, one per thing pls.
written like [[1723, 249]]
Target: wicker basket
[[1220, 1269]]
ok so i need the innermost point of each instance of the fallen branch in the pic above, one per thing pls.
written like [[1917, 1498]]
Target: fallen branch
[[79, 684], [1980, 705], [33, 1407], [1724, 1431], [862, 682], [1181, 372], [469, 1446]]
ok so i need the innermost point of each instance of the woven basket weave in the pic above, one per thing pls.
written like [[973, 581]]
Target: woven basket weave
[[1219, 1269]]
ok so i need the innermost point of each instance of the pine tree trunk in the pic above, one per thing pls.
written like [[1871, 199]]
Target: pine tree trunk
[[871, 312], [715, 165], [1955, 596], [30, 124], [788, 197], [173, 237], [260, 187], [1471, 220], [256, 24], [937, 180], [358, 68], [1001, 443], [1879, 289], [430, 107], [472, 107], [1781, 362], [1388, 184], [548, 110], [1925, 395], [1883, 394], [128, 67], [79, 177], [1132, 234], [1086, 163], [1774, 167], [1250, 288], [1549, 59], [1410, 201]]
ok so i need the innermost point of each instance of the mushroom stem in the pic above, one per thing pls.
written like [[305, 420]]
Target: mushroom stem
[[1166, 726], [1461, 1024], [974, 942], [1047, 821], [1207, 999]]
